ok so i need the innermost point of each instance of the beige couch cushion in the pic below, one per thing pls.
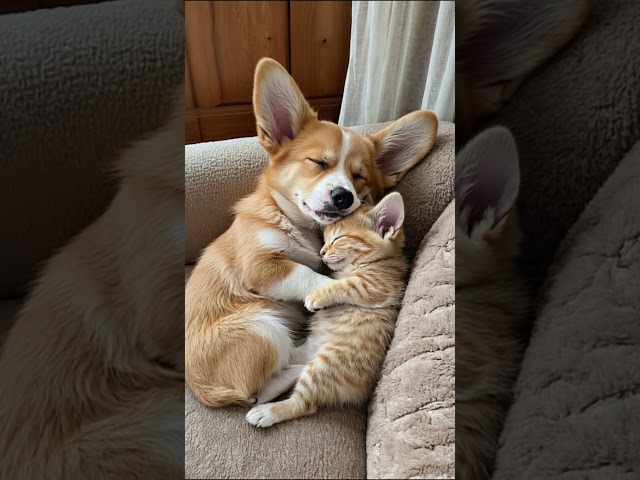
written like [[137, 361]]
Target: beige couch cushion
[[576, 412], [411, 432], [217, 174]]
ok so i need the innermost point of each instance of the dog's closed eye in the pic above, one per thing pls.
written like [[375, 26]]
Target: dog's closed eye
[[324, 165]]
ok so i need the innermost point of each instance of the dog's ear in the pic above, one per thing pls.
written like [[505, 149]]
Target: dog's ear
[[388, 215], [405, 142], [280, 108], [487, 182], [500, 42]]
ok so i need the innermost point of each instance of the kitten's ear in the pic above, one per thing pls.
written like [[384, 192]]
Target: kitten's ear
[[500, 42], [388, 215], [487, 182], [280, 108], [405, 142]]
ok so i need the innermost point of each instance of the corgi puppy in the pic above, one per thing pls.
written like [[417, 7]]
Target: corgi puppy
[[244, 296], [499, 43], [92, 372]]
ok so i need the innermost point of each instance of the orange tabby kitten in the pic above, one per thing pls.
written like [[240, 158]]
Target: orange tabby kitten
[[347, 342], [491, 300]]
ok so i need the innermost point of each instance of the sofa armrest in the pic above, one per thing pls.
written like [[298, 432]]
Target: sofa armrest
[[217, 174]]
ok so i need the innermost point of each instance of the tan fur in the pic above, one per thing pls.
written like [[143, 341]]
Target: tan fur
[[239, 306], [347, 342], [83, 390]]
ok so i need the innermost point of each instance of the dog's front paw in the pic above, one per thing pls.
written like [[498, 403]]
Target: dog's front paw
[[261, 416]]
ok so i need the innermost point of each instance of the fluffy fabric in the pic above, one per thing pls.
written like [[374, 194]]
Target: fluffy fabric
[[573, 120], [78, 85], [217, 174], [576, 412], [411, 431]]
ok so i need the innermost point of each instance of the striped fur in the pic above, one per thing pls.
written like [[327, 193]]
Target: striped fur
[[350, 337]]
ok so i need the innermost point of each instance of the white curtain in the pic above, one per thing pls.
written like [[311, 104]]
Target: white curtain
[[402, 59]]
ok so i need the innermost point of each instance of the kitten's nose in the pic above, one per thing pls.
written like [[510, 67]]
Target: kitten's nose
[[341, 198], [322, 253]]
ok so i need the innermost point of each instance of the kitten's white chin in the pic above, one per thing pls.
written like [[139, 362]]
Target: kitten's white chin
[[334, 265]]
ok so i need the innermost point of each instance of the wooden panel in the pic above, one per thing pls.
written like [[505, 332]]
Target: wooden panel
[[222, 123], [225, 40], [244, 32], [188, 83], [191, 128], [320, 36], [205, 84]]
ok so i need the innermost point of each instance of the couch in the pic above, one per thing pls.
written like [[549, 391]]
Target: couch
[[407, 430], [576, 408]]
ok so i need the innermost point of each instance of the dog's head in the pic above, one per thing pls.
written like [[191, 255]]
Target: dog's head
[[321, 169], [487, 186]]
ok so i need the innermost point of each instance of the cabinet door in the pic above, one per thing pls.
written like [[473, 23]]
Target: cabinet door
[[320, 33], [225, 40], [320, 37]]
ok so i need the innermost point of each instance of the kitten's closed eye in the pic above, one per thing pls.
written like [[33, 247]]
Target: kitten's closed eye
[[337, 238]]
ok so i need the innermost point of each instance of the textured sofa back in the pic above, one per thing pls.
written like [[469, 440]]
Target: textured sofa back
[[79, 84]]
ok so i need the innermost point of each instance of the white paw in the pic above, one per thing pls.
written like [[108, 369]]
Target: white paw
[[261, 416], [312, 304]]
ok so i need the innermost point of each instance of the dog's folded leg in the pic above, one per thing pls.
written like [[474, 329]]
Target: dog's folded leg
[[282, 381], [283, 279]]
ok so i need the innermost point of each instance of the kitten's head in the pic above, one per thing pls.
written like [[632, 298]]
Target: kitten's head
[[487, 186], [367, 235]]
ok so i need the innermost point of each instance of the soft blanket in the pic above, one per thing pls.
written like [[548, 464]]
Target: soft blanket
[[576, 412]]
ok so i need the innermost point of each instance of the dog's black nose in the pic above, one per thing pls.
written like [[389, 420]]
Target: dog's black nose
[[341, 198]]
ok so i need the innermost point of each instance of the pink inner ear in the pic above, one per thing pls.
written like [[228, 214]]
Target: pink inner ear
[[281, 126], [390, 216], [389, 162]]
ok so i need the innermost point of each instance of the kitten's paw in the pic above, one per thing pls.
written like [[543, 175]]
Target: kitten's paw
[[315, 302], [261, 416]]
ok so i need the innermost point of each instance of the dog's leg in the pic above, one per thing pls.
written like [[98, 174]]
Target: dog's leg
[[282, 381], [285, 280], [301, 354]]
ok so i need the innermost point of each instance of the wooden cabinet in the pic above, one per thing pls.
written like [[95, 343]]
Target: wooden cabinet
[[225, 40]]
